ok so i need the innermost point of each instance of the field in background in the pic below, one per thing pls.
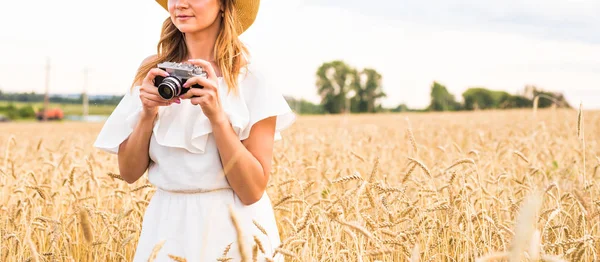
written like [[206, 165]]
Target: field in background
[[431, 186], [68, 109]]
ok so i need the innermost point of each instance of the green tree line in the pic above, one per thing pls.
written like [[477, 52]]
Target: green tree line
[[479, 98], [343, 88], [36, 98], [346, 89]]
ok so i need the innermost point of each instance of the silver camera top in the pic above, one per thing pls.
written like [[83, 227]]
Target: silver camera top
[[182, 69]]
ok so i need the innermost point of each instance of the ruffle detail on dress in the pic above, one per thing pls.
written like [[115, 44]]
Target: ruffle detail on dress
[[185, 125]]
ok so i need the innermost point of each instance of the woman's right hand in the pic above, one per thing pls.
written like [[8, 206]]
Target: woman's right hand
[[151, 100]]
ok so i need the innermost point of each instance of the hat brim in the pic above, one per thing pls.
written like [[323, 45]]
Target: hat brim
[[246, 11]]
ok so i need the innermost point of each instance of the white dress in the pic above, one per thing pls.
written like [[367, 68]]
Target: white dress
[[197, 226]]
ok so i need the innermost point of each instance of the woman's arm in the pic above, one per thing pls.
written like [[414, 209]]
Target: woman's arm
[[247, 164], [134, 156], [133, 152]]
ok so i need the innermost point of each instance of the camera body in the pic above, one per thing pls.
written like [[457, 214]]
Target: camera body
[[172, 85]]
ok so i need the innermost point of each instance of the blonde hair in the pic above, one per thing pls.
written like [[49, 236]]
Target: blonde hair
[[229, 50]]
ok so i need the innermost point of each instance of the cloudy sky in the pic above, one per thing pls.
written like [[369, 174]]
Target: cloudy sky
[[498, 44]]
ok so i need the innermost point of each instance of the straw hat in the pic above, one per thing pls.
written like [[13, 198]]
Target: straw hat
[[246, 11]]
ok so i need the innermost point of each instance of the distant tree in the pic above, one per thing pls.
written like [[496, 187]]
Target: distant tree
[[26, 112], [343, 88], [516, 101], [547, 98], [482, 98], [401, 108], [441, 99], [334, 80], [11, 111], [302, 106], [368, 91], [478, 98], [499, 98]]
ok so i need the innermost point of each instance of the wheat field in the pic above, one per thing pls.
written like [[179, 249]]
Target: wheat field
[[518, 185]]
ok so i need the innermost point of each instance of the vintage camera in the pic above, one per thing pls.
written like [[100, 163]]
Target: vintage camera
[[172, 85]]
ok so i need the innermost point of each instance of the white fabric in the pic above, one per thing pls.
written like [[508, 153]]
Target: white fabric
[[185, 156]]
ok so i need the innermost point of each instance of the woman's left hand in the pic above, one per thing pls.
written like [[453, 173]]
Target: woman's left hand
[[208, 96]]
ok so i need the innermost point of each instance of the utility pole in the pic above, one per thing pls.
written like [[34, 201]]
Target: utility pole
[[85, 96], [46, 96]]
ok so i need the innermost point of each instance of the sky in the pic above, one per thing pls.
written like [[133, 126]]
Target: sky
[[497, 44]]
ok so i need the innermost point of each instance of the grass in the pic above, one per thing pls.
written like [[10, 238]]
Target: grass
[[465, 186]]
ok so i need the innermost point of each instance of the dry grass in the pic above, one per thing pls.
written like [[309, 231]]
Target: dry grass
[[482, 186]]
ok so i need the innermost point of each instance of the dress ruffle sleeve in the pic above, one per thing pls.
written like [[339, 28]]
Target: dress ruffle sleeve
[[185, 125], [121, 122], [263, 100]]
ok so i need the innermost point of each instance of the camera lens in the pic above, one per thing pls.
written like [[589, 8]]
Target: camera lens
[[169, 88]]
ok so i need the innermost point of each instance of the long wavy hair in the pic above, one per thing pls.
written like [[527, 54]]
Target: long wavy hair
[[229, 50]]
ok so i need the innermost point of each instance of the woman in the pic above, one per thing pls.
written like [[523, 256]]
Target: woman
[[208, 152]]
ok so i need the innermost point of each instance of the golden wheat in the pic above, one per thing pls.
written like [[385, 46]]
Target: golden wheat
[[478, 186]]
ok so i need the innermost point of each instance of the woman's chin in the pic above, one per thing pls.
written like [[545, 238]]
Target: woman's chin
[[187, 29]]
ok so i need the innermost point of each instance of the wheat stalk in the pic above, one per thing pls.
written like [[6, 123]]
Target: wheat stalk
[[461, 161], [86, 225], [355, 176], [240, 235], [411, 136], [177, 259], [524, 229], [422, 166], [155, 250]]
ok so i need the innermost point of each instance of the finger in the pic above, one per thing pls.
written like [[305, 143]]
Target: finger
[[198, 100], [205, 65], [152, 103], [194, 92], [149, 89], [187, 95], [157, 98], [205, 83], [153, 73]]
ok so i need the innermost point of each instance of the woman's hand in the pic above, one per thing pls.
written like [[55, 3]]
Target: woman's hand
[[151, 100], [208, 96]]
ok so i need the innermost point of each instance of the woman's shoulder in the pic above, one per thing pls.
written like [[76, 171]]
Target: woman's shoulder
[[257, 85], [148, 59], [253, 81], [143, 68], [253, 72]]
